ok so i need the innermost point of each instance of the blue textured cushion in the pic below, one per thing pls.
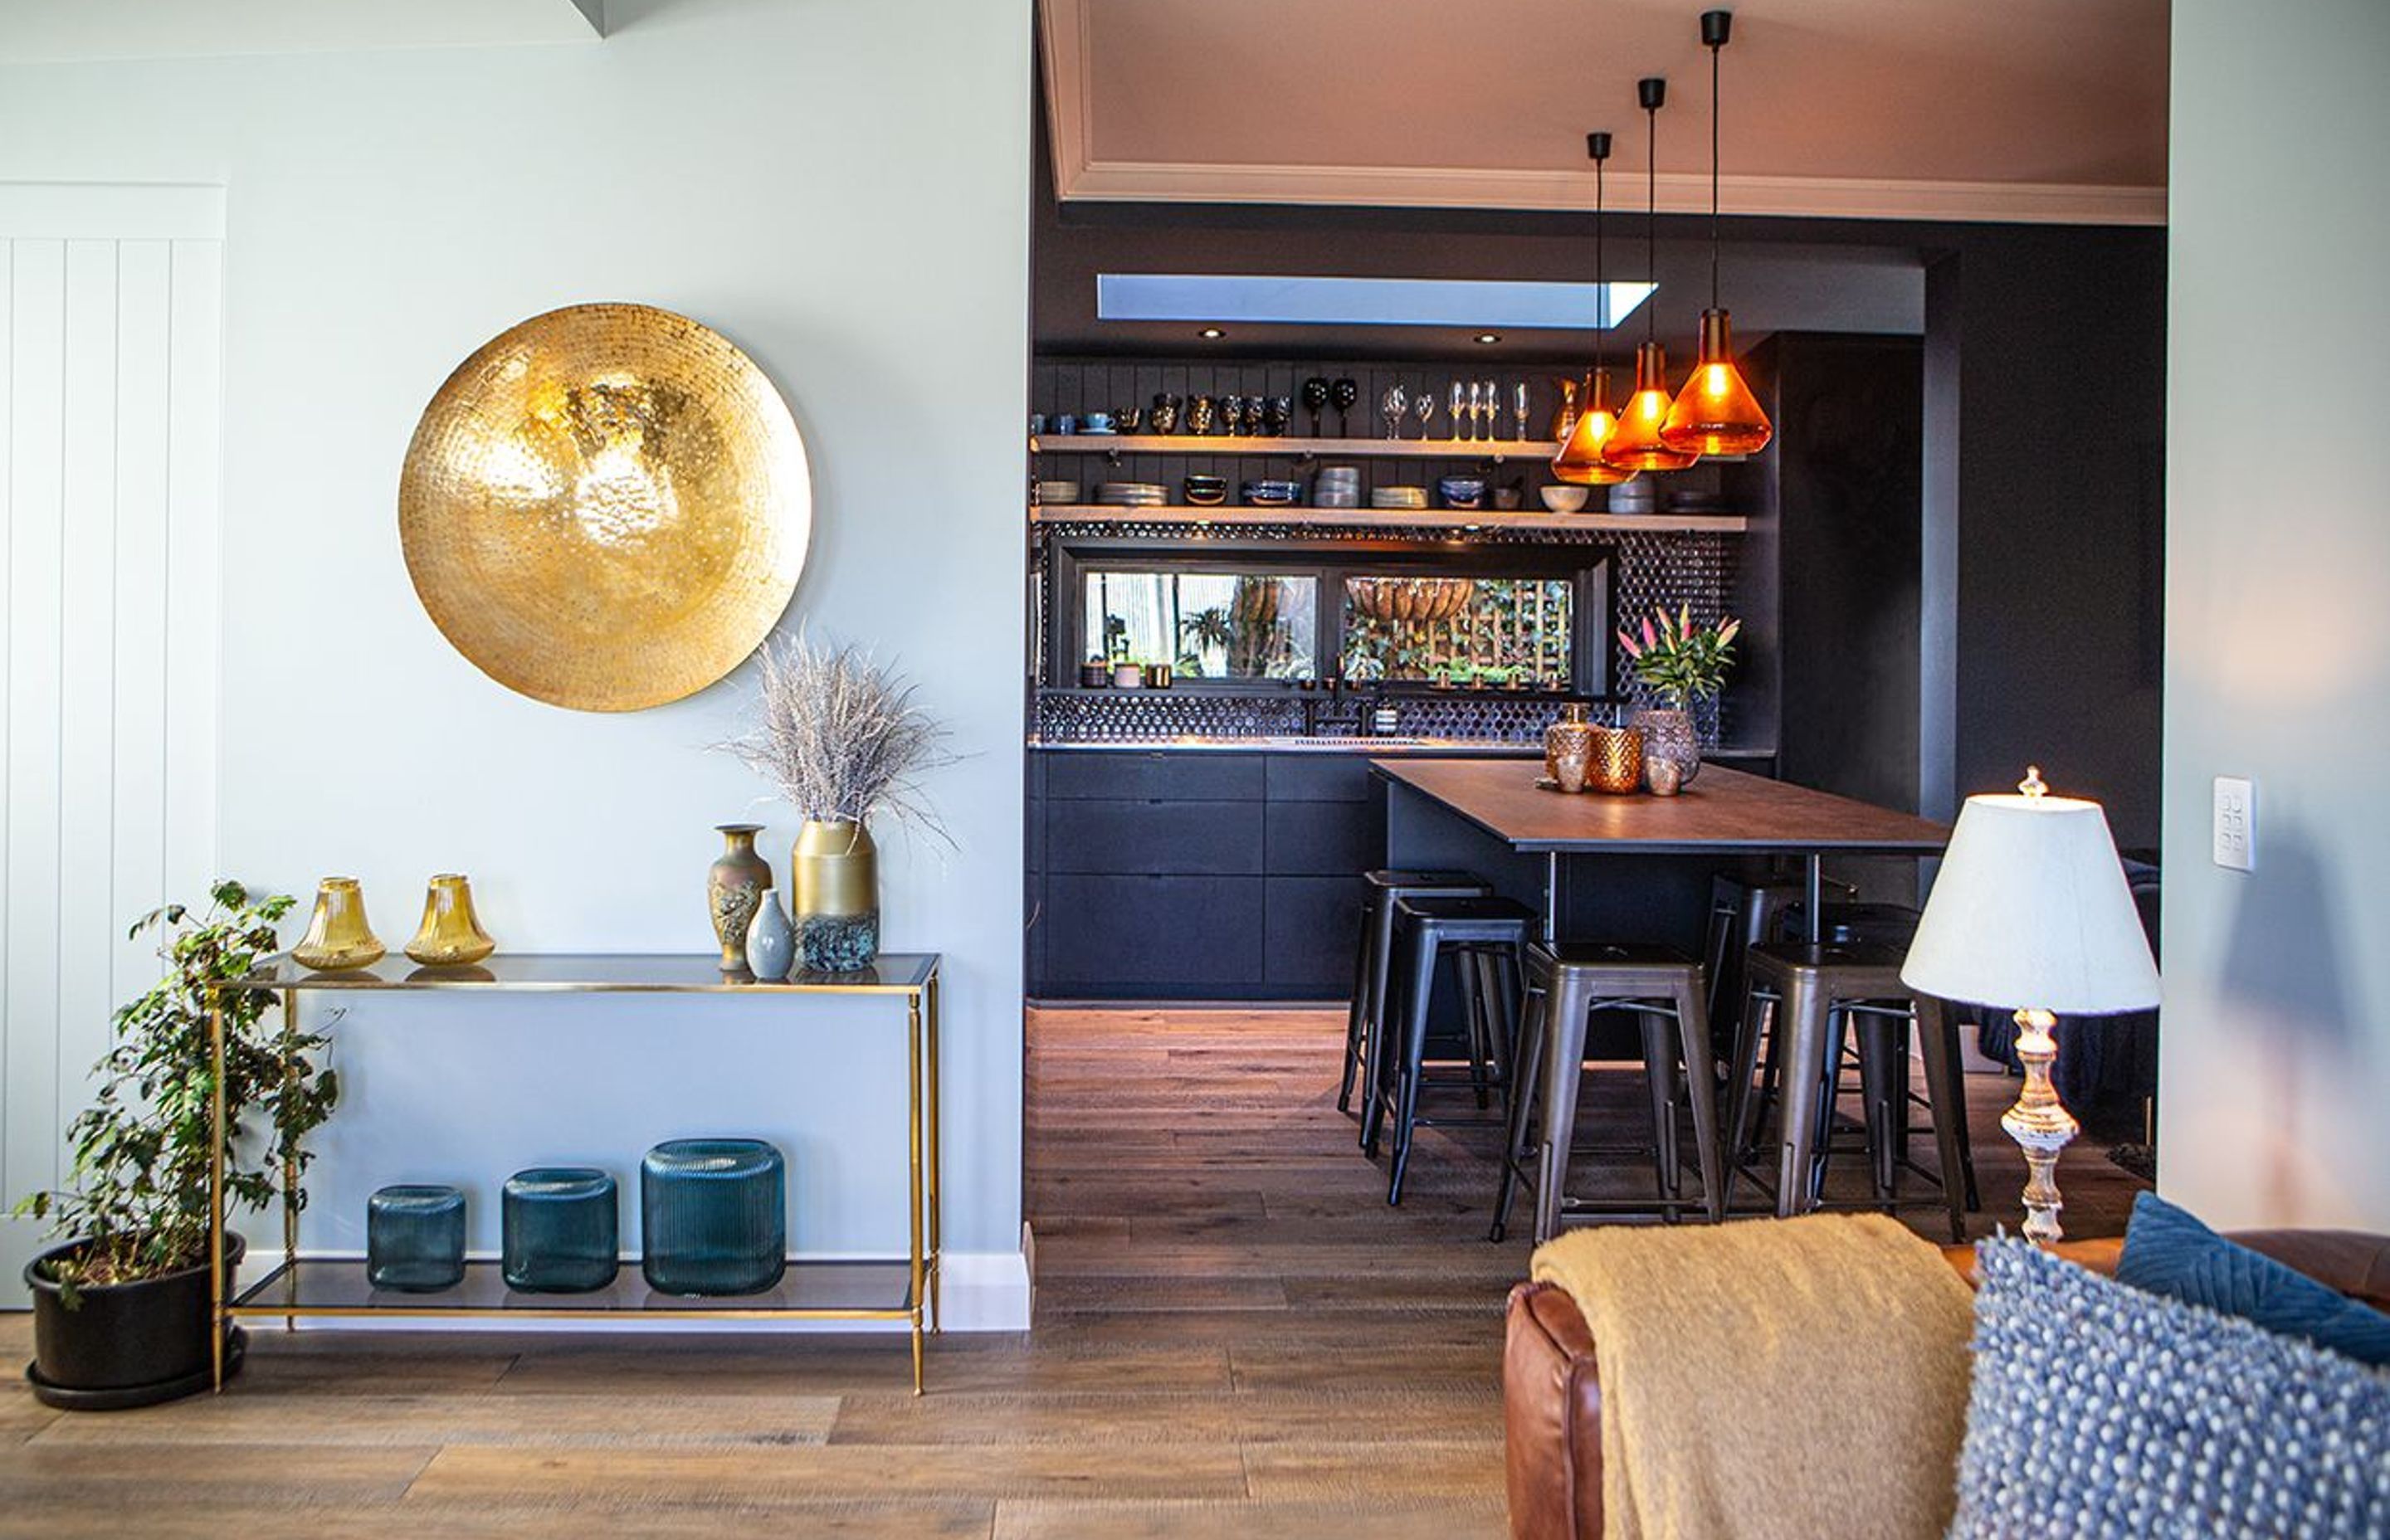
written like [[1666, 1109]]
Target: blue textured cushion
[[2168, 1251], [2099, 1410]]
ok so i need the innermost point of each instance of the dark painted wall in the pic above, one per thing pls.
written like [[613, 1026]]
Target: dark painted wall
[[2044, 523]]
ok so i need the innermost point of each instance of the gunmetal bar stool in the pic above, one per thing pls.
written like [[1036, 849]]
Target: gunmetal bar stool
[[1567, 982], [1485, 935], [1365, 1022], [1818, 991], [1744, 914]]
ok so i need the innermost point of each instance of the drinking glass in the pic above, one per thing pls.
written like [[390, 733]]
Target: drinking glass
[[1519, 411], [1459, 398], [1393, 403]]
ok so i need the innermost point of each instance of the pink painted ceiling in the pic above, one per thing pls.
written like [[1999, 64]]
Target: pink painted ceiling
[[1864, 102]]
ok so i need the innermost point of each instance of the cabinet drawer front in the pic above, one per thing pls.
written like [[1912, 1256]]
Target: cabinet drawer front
[[1136, 930], [1156, 837], [1319, 778], [1152, 774], [1310, 925], [1324, 839]]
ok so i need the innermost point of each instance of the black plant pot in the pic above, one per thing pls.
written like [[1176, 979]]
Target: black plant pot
[[124, 1344]]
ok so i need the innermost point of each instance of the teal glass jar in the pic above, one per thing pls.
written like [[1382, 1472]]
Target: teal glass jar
[[415, 1238], [714, 1213], [562, 1230]]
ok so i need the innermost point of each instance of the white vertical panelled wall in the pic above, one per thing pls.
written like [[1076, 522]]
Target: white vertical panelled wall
[[111, 308]]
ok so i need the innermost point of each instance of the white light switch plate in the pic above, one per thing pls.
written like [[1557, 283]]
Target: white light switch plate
[[2236, 824]]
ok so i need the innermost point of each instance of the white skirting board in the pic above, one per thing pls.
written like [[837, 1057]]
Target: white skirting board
[[981, 1291]]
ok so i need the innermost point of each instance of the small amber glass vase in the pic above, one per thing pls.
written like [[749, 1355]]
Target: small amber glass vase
[[338, 935], [450, 935], [1617, 761]]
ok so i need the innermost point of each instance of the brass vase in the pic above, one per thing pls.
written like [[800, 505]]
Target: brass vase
[[834, 896], [338, 935], [451, 934], [735, 885]]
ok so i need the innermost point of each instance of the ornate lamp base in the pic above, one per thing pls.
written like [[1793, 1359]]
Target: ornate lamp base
[[2040, 1124]]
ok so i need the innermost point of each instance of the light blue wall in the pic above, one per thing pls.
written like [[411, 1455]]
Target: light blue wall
[[841, 188], [2274, 1081]]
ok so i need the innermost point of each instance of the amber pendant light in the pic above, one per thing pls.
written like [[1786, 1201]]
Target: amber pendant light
[[1716, 412], [1579, 462], [1635, 443]]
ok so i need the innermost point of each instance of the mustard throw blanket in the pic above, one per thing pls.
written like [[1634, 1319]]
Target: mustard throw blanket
[[1787, 1378]]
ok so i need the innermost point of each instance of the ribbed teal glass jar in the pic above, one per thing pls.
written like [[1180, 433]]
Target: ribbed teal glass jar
[[715, 1216], [415, 1238], [561, 1230]]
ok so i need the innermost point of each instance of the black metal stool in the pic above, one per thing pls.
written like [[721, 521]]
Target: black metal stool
[[1567, 982], [1365, 1022], [1819, 992], [1485, 934]]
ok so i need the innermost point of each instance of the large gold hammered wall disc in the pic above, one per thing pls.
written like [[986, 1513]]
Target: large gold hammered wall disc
[[606, 507]]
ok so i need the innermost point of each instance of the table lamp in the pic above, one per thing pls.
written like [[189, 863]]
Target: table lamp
[[2031, 912]]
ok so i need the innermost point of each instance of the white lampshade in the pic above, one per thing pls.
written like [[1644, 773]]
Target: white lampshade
[[2031, 911]]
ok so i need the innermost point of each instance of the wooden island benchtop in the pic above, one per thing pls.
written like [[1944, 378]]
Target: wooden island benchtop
[[1724, 810]]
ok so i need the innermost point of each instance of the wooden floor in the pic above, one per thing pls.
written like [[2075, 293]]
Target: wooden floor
[[1235, 1336]]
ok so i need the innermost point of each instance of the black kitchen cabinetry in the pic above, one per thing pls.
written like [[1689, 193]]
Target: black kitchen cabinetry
[[1213, 875]]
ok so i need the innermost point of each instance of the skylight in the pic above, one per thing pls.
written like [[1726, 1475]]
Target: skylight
[[1475, 304]]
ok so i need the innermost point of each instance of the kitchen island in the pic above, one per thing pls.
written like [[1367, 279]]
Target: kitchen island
[[1612, 867]]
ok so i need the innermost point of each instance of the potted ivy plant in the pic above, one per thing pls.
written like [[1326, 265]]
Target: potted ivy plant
[[1681, 663], [121, 1312]]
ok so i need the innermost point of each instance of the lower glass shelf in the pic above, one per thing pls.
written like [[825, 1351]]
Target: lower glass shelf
[[869, 1289]]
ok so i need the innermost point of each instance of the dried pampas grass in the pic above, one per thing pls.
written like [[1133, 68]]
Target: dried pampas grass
[[840, 736]]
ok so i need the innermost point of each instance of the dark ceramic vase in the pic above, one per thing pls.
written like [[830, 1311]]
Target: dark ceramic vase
[[124, 1344]]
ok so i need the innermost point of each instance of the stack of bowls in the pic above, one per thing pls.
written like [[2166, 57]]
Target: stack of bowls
[[1462, 491], [1131, 494], [1640, 496], [1337, 486], [1273, 494], [1398, 498], [1057, 493], [1206, 492]]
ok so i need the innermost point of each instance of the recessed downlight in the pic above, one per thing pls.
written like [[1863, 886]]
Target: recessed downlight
[[1210, 333], [1487, 339]]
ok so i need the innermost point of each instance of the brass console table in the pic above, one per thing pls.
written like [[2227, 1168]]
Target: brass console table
[[892, 1290]]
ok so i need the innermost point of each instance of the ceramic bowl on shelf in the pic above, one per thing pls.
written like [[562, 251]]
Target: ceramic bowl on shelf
[[1273, 493], [1563, 498], [1058, 491], [1639, 495], [1462, 491], [1206, 492]]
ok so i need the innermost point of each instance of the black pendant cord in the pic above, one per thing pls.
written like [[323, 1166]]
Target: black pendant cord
[[1650, 215], [1714, 49], [1599, 144]]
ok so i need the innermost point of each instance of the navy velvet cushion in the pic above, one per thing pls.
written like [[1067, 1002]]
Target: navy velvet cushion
[[2167, 1251], [2097, 1410]]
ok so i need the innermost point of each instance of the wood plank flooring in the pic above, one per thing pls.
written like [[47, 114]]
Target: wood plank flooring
[[1235, 1336]]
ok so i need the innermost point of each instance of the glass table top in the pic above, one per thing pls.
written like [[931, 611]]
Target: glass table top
[[668, 972], [340, 1283]]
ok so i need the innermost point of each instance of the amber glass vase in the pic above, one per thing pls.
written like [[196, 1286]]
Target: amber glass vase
[[450, 935], [338, 935]]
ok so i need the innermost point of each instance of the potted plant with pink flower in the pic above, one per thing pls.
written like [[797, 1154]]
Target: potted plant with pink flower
[[1681, 663]]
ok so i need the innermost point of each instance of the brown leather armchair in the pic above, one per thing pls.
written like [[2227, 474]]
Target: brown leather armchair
[[1551, 1389]]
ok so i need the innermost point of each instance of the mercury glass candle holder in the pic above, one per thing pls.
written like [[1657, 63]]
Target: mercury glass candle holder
[[1617, 765]]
